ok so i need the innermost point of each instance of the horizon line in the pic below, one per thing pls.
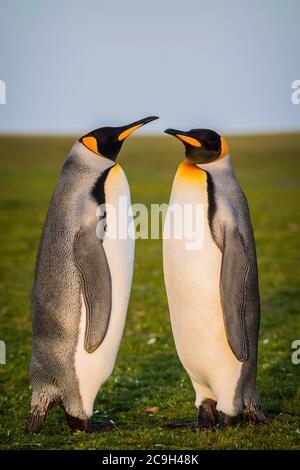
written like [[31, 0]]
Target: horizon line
[[241, 133]]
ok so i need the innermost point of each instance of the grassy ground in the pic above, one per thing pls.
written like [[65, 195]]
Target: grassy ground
[[150, 375]]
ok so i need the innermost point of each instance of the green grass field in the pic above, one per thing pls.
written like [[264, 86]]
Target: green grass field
[[150, 375]]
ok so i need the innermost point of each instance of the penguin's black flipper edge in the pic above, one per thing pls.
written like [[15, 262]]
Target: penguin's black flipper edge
[[239, 291], [90, 259]]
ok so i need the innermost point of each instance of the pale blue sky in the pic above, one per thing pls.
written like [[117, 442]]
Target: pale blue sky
[[73, 65]]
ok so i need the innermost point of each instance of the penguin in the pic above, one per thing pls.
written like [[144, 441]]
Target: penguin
[[212, 289], [82, 280]]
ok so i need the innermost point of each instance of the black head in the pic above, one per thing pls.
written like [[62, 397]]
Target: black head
[[201, 145], [107, 141]]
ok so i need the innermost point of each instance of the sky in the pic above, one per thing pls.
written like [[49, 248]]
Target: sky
[[70, 66]]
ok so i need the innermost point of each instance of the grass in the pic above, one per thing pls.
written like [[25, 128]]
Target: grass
[[150, 375]]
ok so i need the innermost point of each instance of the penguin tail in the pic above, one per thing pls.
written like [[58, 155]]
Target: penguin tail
[[35, 420], [255, 414], [37, 416], [44, 397]]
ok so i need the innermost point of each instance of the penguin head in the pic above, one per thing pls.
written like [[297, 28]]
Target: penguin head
[[107, 141], [201, 145]]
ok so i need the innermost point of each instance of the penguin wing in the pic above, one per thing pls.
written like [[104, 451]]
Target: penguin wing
[[239, 290], [94, 272]]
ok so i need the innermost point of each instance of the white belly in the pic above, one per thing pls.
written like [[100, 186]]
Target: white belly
[[93, 369], [192, 282]]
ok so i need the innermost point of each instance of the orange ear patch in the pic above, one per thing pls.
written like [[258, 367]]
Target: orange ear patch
[[224, 148], [129, 131], [189, 140], [91, 144]]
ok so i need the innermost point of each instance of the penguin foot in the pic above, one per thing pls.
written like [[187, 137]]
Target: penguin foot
[[226, 420], [208, 416], [77, 424]]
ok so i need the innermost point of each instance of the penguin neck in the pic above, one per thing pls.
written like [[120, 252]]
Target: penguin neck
[[218, 166], [86, 157]]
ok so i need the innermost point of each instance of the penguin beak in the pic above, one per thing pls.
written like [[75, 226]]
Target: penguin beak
[[173, 131], [127, 130], [184, 137]]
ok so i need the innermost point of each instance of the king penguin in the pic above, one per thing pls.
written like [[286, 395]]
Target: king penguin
[[213, 290], [82, 280]]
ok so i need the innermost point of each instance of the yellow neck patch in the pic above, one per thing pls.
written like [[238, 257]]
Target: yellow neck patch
[[189, 171], [129, 131], [91, 144], [189, 140]]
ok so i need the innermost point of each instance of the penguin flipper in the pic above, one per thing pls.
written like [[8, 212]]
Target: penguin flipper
[[94, 272], [239, 291]]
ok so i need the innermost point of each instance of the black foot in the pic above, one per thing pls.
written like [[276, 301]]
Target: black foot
[[77, 424], [208, 416], [226, 420]]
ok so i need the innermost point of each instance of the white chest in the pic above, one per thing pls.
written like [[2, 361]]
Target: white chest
[[94, 368], [192, 269], [192, 276], [192, 279]]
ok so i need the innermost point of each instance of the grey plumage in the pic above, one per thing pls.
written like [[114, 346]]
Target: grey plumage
[[56, 296], [232, 230], [71, 264]]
